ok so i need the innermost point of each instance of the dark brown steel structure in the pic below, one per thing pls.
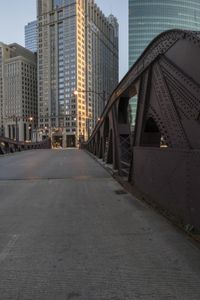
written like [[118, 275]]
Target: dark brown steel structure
[[162, 158], [11, 146]]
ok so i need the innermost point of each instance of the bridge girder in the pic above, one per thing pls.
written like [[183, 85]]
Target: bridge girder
[[162, 157]]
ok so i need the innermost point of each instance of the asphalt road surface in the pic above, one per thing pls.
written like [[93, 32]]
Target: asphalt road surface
[[68, 231]]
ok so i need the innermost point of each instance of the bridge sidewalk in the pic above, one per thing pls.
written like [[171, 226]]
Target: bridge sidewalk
[[68, 230]]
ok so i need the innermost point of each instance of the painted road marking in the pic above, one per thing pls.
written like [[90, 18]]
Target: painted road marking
[[8, 247]]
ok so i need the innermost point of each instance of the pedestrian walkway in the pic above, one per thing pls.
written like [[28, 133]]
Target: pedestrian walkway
[[69, 231]]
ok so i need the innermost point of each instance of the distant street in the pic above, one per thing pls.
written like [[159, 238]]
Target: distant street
[[68, 231]]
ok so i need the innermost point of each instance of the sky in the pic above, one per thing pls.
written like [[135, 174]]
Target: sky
[[15, 15]]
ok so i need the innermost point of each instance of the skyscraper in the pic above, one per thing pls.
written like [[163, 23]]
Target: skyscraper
[[31, 36], [18, 91], [149, 18], [77, 51]]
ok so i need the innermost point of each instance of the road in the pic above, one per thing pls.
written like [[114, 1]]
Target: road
[[68, 231]]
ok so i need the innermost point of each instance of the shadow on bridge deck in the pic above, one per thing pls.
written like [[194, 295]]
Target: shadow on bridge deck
[[68, 228]]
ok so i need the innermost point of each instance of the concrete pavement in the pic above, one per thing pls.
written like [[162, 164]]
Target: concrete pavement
[[68, 230]]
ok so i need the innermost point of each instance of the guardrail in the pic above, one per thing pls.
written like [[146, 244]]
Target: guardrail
[[10, 146]]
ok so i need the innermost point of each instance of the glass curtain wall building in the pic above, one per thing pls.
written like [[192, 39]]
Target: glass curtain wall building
[[148, 18], [31, 36]]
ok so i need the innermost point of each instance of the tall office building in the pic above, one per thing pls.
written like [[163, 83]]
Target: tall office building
[[5, 53], [147, 19], [77, 51], [18, 92], [31, 36]]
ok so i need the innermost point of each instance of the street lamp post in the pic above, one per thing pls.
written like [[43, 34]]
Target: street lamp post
[[17, 129], [16, 119], [30, 128], [102, 95]]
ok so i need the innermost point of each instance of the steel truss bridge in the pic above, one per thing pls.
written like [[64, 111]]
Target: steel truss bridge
[[162, 157]]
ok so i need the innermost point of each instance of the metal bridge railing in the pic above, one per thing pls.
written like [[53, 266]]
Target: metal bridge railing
[[10, 146]]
